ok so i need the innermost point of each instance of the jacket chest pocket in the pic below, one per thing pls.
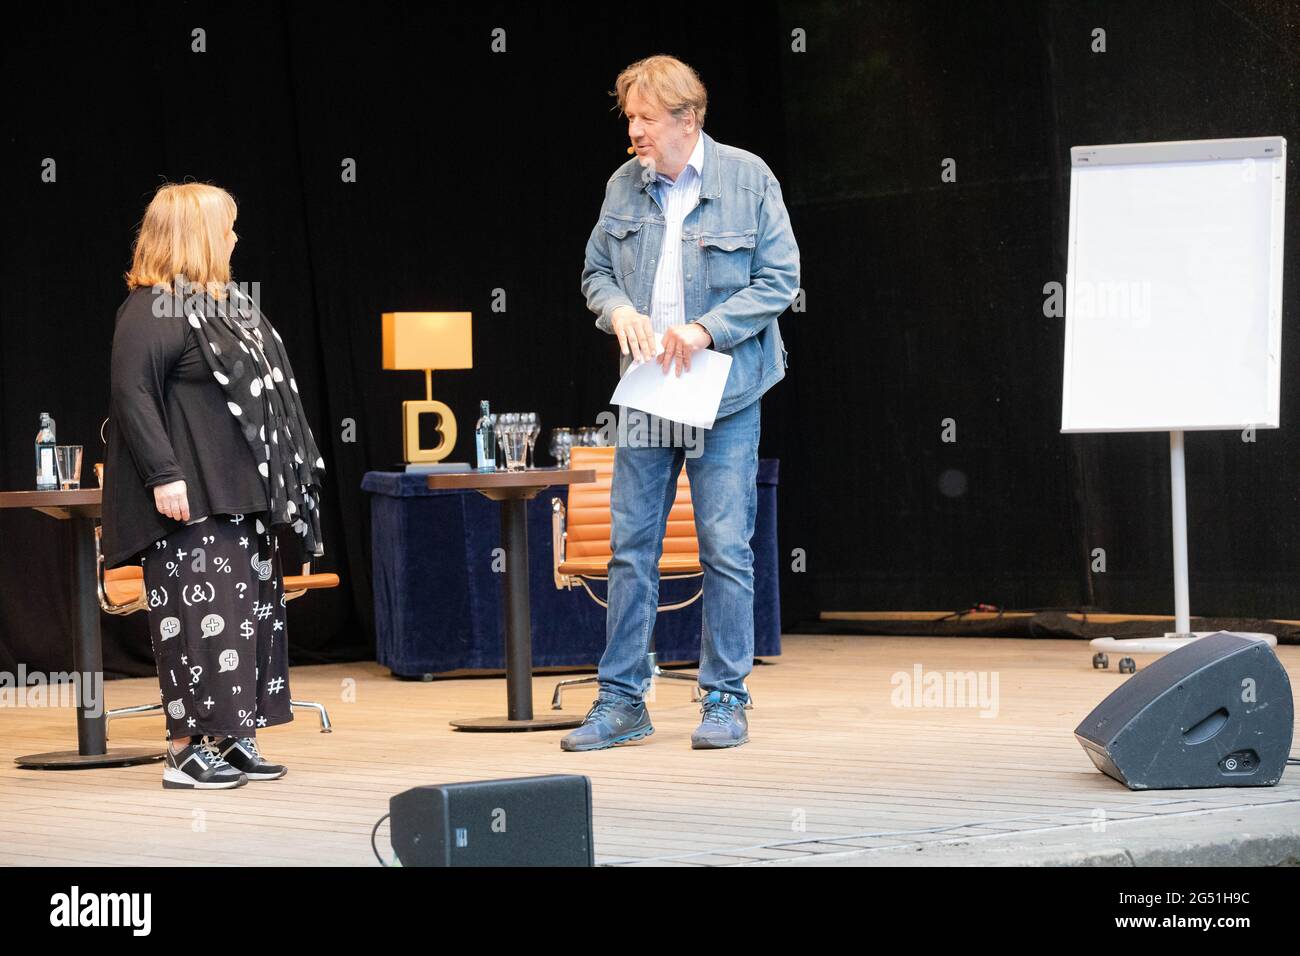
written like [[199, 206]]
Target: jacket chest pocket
[[728, 259], [624, 244]]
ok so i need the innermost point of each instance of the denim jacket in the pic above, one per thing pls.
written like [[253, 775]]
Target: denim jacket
[[740, 263]]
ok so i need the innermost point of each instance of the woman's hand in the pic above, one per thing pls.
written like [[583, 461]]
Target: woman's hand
[[171, 500]]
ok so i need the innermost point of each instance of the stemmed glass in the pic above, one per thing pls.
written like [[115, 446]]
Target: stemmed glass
[[498, 428], [561, 441], [515, 433], [532, 428]]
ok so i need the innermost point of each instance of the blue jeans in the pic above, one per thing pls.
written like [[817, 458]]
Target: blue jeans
[[725, 499]]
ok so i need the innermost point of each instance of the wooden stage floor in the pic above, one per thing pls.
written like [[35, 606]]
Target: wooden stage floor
[[833, 767]]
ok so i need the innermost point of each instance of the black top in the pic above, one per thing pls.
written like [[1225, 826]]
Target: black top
[[168, 421]]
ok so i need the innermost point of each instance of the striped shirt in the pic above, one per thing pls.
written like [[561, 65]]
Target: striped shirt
[[677, 199]]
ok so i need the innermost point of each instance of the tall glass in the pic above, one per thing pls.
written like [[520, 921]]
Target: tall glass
[[514, 436], [533, 428], [67, 458], [498, 429]]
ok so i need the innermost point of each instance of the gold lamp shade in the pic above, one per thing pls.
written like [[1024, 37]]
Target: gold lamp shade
[[425, 341]]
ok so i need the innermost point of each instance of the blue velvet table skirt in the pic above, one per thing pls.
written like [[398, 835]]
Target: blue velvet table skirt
[[438, 599]]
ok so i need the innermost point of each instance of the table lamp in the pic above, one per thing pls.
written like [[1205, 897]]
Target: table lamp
[[427, 341]]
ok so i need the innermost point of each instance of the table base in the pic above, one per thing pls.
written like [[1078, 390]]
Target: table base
[[504, 724], [72, 760]]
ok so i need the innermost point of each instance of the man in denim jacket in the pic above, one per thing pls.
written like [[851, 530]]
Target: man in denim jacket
[[694, 244]]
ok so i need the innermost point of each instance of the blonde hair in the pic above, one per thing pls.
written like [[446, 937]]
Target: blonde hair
[[669, 82], [184, 233]]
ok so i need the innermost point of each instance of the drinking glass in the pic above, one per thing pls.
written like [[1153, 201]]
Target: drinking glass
[[533, 428], [560, 442], [514, 435], [67, 458], [498, 424]]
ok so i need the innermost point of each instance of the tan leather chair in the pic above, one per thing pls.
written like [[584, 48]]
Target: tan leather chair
[[121, 592], [580, 533], [581, 552]]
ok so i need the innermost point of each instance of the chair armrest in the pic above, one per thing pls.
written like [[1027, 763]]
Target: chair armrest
[[106, 603], [291, 595], [558, 517]]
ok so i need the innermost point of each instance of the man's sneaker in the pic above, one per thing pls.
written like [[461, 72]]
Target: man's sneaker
[[199, 767], [241, 753], [724, 723], [611, 721]]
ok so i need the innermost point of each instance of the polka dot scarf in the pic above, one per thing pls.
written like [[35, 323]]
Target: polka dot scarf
[[247, 357]]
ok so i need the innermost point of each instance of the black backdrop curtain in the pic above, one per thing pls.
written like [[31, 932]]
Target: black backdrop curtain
[[480, 171]]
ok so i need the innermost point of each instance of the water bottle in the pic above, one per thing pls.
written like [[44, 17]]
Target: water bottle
[[485, 440], [47, 473]]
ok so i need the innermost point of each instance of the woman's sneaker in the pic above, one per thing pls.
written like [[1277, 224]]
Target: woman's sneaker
[[199, 767], [241, 753]]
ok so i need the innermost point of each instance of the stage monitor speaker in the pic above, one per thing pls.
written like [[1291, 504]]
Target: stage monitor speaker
[[528, 821], [1215, 713]]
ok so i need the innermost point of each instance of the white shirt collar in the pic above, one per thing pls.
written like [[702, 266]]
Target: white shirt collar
[[697, 154]]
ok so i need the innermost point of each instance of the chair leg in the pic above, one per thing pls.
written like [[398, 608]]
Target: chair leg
[[659, 672], [656, 672], [144, 710], [556, 703], [695, 691], [325, 726], [139, 710]]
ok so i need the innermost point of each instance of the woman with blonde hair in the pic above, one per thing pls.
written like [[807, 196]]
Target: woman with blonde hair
[[209, 453]]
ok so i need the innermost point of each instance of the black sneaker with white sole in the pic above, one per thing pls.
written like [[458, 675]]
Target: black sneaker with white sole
[[199, 767], [242, 754]]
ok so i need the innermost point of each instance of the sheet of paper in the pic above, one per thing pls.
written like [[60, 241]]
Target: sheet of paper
[[691, 398]]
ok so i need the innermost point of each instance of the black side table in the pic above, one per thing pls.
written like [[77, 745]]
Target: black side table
[[512, 489], [81, 507]]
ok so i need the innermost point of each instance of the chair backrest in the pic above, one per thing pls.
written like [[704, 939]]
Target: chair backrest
[[587, 516]]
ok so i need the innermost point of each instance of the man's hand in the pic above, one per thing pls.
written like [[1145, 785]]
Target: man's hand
[[171, 500], [680, 341], [634, 331]]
